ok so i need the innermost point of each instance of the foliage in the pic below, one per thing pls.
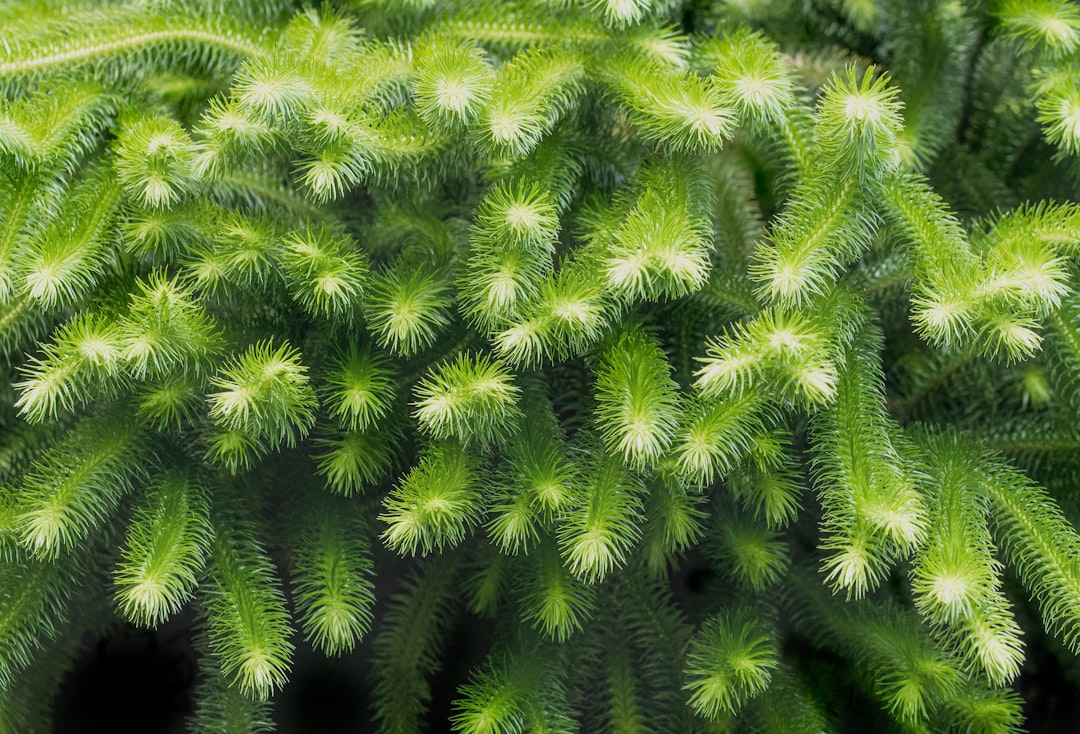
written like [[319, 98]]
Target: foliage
[[343, 325]]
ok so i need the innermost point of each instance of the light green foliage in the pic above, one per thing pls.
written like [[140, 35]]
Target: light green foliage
[[553, 601], [752, 76], [472, 399], [598, 532], [678, 366], [956, 578], [353, 459], [407, 308], [522, 688], [1039, 542], [325, 273], [334, 593], [358, 390], [226, 708], [751, 554], [915, 680], [37, 598], [248, 624], [52, 131], [685, 111], [84, 352], [72, 489], [165, 551], [153, 161], [164, 332], [536, 483], [435, 504], [637, 400], [453, 83], [730, 661], [659, 249], [674, 524], [121, 40], [1052, 24], [717, 434], [72, 254], [790, 348], [510, 252], [532, 92], [264, 399], [875, 511]]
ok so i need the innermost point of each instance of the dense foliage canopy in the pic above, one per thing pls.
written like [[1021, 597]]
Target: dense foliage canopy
[[341, 325]]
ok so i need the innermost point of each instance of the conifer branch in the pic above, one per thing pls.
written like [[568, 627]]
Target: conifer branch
[[1039, 543], [75, 487], [248, 625], [334, 592], [166, 549], [128, 36], [563, 304], [408, 647]]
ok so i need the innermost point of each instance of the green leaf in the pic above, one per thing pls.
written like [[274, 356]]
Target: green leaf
[[596, 536], [153, 161], [472, 399], [247, 620], [637, 401], [74, 488], [435, 505], [334, 592], [554, 602], [326, 273], [265, 394], [166, 549], [407, 307], [532, 93], [730, 661]]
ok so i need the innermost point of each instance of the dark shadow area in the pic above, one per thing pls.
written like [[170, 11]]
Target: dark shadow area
[[467, 645], [324, 695], [133, 682], [142, 682], [1051, 700]]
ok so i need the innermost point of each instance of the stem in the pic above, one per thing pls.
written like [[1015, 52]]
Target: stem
[[130, 40]]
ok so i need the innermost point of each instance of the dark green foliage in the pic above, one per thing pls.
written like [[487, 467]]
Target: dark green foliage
[[711, 358]]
